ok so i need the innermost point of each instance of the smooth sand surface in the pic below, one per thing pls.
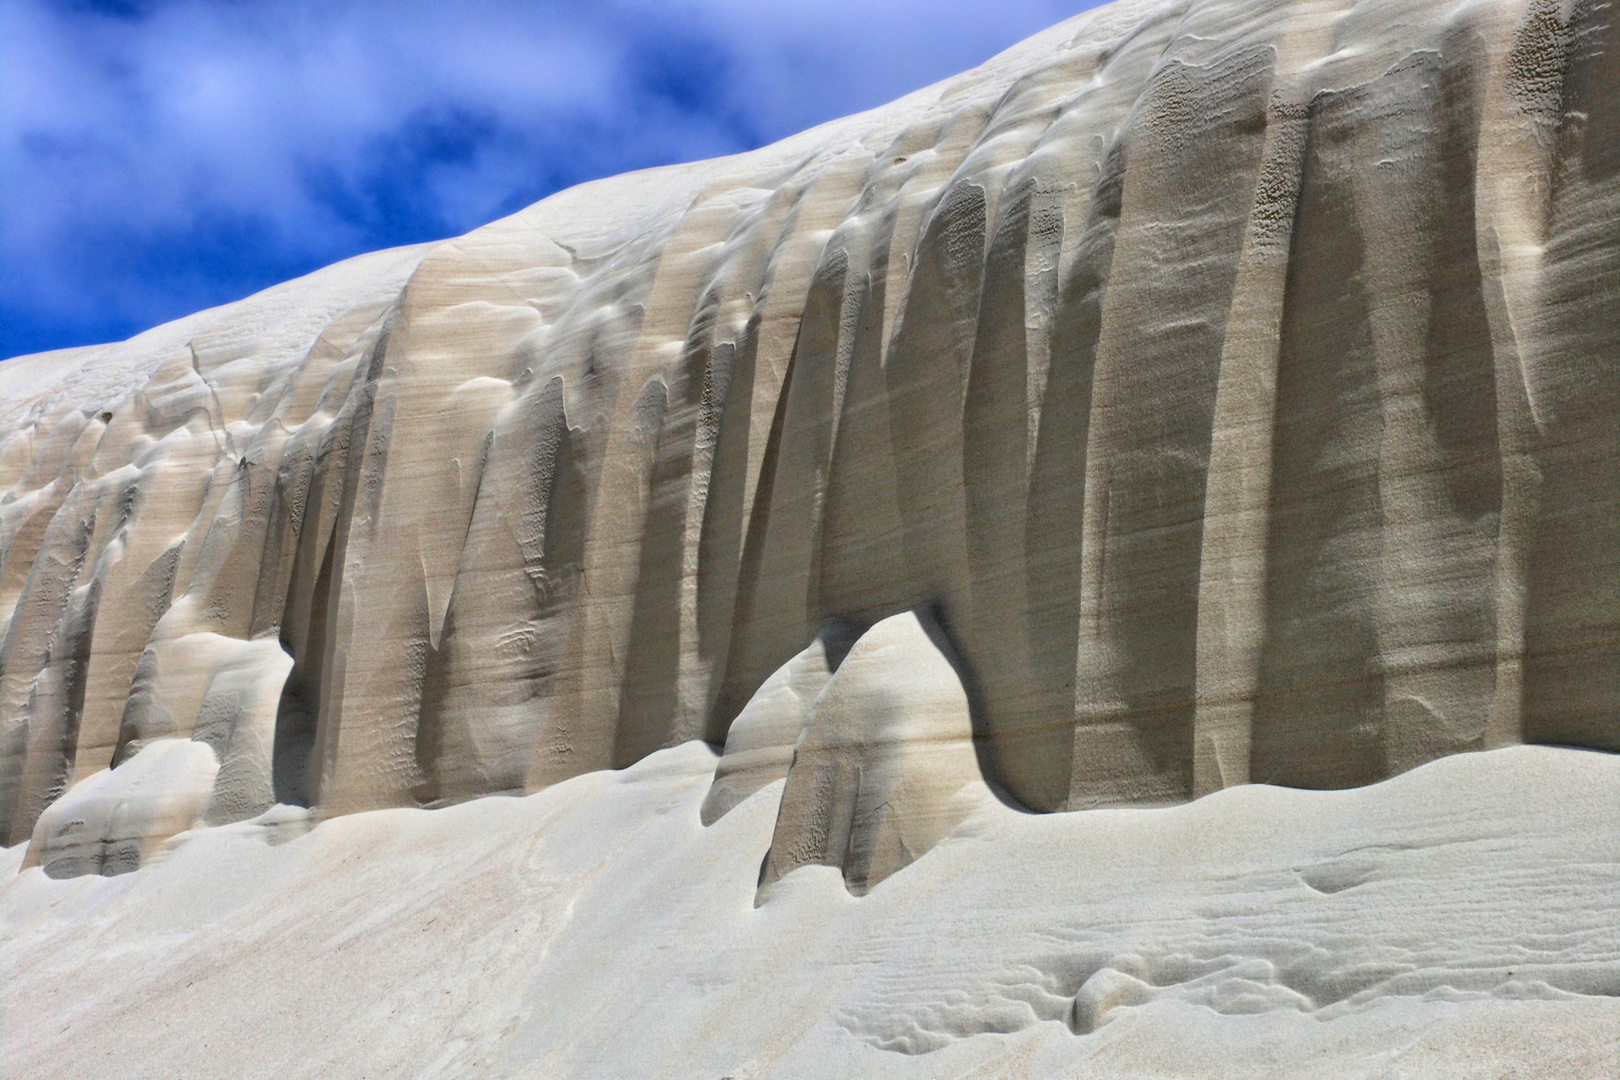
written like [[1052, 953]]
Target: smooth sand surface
[[1457, 921]]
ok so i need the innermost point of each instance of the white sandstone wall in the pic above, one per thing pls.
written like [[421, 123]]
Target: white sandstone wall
[[1235, 383]]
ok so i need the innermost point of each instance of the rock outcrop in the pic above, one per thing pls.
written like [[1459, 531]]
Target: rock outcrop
[[1238, 383], [885, 765], [760, 741]]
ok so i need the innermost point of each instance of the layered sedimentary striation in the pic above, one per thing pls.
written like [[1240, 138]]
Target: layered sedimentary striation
[[1231, 388]]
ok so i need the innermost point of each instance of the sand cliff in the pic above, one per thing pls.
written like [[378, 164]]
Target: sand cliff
[[1234, 384], [1199, 395]]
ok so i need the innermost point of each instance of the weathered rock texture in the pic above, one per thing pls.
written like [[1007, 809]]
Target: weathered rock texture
[[1236, 383], [885, 766], [760, 741]]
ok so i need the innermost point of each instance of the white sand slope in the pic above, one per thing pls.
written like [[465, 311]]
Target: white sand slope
[[1457, 921]]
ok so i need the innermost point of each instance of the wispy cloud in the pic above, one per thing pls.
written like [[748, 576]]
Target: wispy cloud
[[159, 156]]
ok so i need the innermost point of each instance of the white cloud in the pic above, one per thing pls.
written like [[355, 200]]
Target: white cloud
[[306, 130]]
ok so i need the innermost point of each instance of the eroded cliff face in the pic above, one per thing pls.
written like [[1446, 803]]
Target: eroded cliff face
[[1231, 388]]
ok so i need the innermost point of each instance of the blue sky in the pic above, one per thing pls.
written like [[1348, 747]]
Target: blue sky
[[162, 156]]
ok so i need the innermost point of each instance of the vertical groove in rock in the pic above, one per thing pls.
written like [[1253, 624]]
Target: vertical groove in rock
[[925, 376], [1518, 114], [358, 448], [1318, 652], [859, 573], [487, 688], [1194, 147], [995, 482], [1572, 621], [771, 619], [1231, 575]]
